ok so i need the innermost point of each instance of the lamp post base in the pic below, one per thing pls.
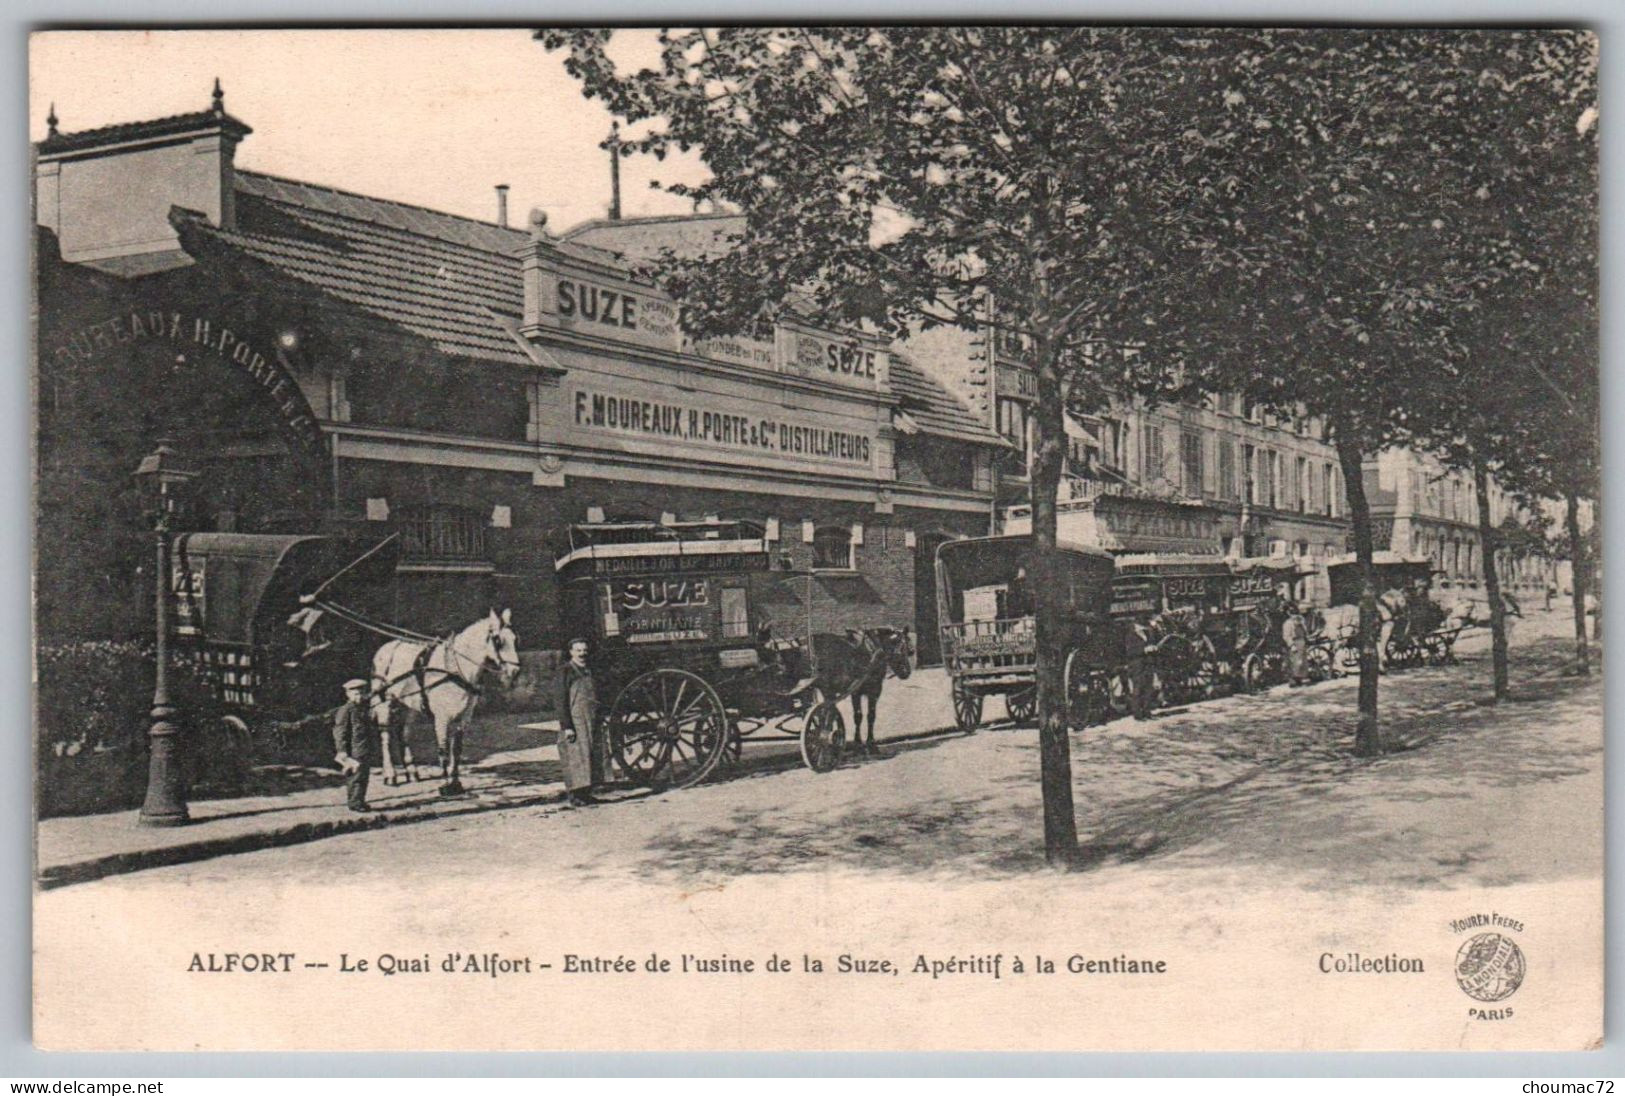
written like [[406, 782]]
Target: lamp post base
[[165, 804]]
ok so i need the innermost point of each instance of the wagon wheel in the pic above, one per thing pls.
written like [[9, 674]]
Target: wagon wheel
[[1204, 679], [1086, 691], [967, 707], [1022, 705], [668, 729], [1318, 661], [1173, 665], [823, 737], [1089, 701], [236, 752], [1253, 673]]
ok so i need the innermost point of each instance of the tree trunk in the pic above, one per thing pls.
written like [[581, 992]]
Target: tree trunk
[[1368, 740], [1580, 580], [1049, 606], [1489, 550]]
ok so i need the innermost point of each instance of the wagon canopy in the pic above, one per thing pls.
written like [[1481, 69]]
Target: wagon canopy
[[620, 548], [1392, 571], [985, 563], [227, 585]]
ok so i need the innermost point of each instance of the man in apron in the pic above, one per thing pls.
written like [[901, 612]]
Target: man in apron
[[577, 704]]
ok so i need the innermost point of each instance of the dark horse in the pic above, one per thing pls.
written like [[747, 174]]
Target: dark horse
[[857, 664]]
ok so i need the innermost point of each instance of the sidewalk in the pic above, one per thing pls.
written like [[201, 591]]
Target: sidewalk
[[80, 848], [517, 773]]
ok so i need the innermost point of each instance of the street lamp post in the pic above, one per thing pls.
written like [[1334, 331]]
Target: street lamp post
[[162, 476]]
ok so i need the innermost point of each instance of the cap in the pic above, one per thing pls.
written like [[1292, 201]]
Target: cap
[[355, 683]]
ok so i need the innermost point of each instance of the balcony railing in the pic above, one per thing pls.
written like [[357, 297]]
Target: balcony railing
[[443, 537]]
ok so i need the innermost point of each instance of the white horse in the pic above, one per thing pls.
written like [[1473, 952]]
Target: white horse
[[441, 680]]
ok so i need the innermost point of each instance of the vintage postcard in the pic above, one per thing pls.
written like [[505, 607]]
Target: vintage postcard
[[847, 538]]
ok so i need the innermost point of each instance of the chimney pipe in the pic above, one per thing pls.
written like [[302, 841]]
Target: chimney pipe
[[614, 146], [502, 204]]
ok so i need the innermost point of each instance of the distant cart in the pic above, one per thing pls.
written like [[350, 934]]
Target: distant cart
[[985, 587], [1418, 632]]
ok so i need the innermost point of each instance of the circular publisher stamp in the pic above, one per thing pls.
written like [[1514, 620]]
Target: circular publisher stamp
[[1489, 967]]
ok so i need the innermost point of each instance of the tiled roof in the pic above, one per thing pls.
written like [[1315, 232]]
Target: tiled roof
[[136, 131], [936, 409], [436, 275], [457, 282]]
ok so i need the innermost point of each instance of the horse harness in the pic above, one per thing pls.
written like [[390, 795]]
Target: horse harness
[[421, 669]]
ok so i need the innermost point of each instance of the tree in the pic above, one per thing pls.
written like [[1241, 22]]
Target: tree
[[1530, 232], [899, 176], [1368, 212]]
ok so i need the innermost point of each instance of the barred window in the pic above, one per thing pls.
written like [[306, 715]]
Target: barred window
[[833, 549]]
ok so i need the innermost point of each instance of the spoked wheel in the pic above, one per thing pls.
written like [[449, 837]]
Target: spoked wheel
[[1318, 661], [1021, 706], [1087, 692], [1253, 673], [668, 729], [1089, 702], [823, 737], [1203, 682], [967, 707]]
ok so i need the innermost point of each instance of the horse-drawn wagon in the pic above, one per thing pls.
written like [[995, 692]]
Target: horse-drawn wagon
[[1178, 609], [989, 639], [685, 651], [269, 660], [1417, 630]]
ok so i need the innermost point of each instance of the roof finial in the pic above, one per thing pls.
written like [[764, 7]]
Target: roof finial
[[219, 97], [50, 121]]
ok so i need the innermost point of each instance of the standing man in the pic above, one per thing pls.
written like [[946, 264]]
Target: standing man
[[1295, 634], [352, 743], [577, 704]]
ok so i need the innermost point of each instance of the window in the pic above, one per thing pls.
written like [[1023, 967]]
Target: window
[[1227, 469], [1249, 465], [1190, 464], [735, 614], [1251, 411], [442, 534], [1013, 426], [1111, 435], [1328, 492], [1303, 485], [1081, 457], [1153, 454], [1271, 469], [832, 549]]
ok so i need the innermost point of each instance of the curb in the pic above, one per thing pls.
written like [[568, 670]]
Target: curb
[[99, 867]]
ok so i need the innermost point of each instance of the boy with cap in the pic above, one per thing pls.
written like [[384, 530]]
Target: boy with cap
[[352, 743]]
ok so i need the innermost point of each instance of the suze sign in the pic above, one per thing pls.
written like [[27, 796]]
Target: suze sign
[[851, 362], [647, 318]]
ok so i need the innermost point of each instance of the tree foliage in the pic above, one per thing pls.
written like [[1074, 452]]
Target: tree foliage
[[1290, 214]]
